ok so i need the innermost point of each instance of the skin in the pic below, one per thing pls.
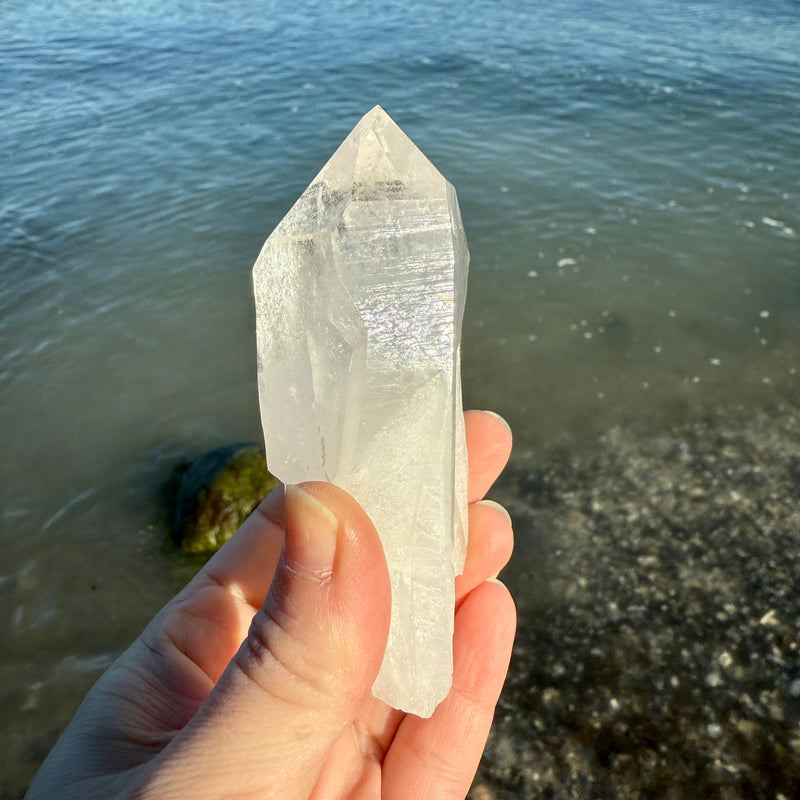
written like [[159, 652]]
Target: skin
[[254, 681]]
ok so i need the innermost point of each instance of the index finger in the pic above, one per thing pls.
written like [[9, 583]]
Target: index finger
[[488, 449]]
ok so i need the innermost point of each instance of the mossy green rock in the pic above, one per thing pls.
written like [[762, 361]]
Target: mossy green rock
[[217, 493]]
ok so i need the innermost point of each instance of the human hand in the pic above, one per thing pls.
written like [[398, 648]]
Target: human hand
[[254, 681]]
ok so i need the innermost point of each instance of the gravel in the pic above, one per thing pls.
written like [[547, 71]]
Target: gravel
[[658, 584]]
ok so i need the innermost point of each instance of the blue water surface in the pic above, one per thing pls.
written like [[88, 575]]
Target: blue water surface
[[628, 174]]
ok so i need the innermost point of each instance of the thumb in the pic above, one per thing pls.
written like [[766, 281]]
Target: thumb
[[308, 662]]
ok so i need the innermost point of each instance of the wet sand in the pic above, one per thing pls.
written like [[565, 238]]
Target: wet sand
[[659, 594]]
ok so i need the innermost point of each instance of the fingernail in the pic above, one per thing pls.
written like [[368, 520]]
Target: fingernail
[[311, 530], [492, 504], [494, 579], [498, 418]]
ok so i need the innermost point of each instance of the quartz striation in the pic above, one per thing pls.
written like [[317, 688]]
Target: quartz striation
[[360, 293]]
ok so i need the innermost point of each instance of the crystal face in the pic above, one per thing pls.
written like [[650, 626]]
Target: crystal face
[[360, 293]]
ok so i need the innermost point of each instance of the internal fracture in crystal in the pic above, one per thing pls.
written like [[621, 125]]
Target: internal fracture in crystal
[[360, 293]]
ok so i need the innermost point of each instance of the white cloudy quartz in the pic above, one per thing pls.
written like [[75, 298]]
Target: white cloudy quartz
[[360, 293]]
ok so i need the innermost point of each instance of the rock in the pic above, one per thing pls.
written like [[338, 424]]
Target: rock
[[217, 493]]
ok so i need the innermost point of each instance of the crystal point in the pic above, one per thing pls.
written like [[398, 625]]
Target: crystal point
[[360, 292]]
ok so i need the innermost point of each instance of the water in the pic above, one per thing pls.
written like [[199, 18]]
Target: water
[[628, 175]]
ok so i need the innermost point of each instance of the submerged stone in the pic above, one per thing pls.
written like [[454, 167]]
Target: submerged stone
[[217, 494], [360, 293]]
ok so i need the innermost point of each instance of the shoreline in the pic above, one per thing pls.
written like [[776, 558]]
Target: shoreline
[[658, 647]]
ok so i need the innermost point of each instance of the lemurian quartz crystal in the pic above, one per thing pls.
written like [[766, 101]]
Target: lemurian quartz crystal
[[360, 293]]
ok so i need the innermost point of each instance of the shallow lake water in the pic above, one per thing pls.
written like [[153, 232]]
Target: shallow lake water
[[629, 183]]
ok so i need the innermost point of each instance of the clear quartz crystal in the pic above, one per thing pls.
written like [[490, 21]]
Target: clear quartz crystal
[[359, 298]]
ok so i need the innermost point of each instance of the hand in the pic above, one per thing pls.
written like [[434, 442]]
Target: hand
[[236, 691]]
